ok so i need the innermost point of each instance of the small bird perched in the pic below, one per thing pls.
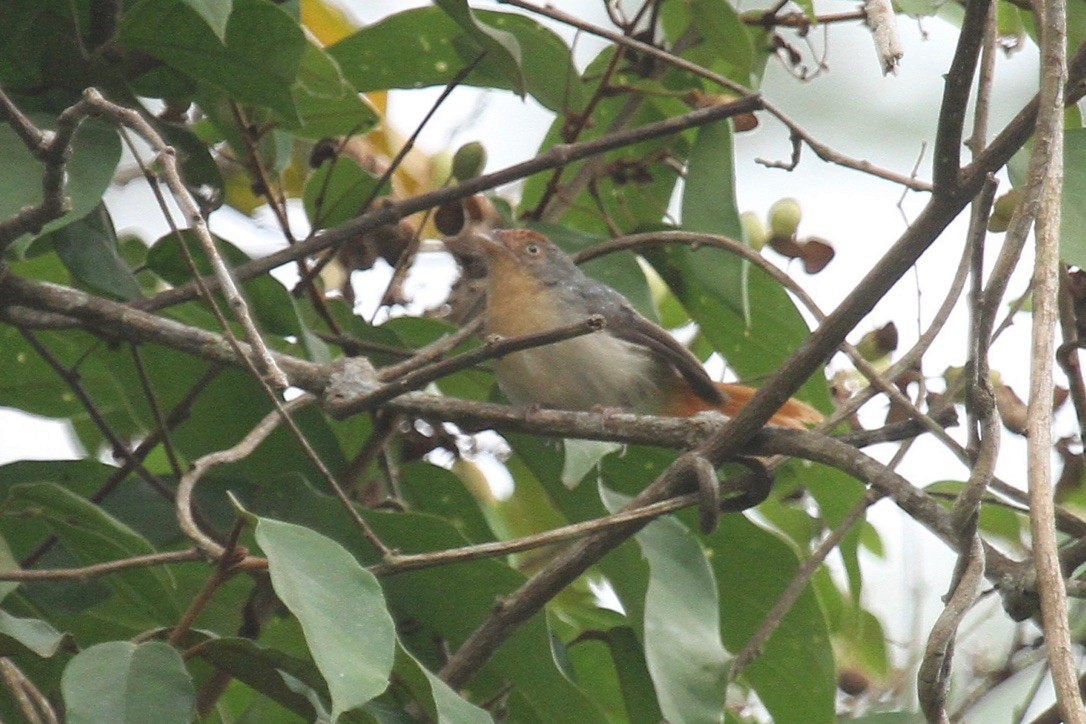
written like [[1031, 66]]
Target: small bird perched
[[533, 286]]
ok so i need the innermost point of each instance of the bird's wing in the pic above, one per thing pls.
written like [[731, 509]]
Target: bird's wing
[[629, 325]]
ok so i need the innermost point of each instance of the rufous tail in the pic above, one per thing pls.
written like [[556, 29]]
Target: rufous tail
[[793, 413]]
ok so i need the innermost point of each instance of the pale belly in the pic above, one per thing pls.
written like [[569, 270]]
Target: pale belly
[[578, 374]]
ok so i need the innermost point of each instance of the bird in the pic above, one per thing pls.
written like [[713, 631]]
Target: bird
[[631, 363]]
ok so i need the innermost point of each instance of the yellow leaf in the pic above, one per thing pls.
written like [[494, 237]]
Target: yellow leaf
[[328, 24]]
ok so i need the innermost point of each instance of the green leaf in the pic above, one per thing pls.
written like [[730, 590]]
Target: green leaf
[[262, 669], [19, 634], [682, 620], [8, 562], [120, 681], [633, 186], [753, 347], [335, 192], [794, 676], [440, 702], [88, 247], [434, 490], [444, 603], [340, 606], [94, 536], [725, 43], [215, 13], [995, 518], [709, 207], [582, 457], [498, 45], [257, 62], [96, 149], [270, 301], [327, 103], [633, 675], [1073, 211], [424, 47], [29, 35]]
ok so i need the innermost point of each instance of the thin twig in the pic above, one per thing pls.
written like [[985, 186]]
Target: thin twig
[[407, 255], [798, 584], [107, 319], [119, 447], [86, 573], [223, 572], [1067, 354], [557, 155], [52, 148], [32, 704], [187, 485], [821, 150], [1046, 180], [492, 348], [933, 678], [262, 358], [959, 80], [177, 415], [432, 352]]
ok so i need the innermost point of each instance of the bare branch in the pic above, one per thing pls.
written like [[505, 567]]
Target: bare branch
[[52, 148], [881, 19], [33, 705], [1045, 180], [187, 485], [959, 79], [558, 155], [261, 356], [933, 678], [86, 573]]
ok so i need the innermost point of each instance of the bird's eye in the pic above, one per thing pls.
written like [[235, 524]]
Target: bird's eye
[[532, 249]]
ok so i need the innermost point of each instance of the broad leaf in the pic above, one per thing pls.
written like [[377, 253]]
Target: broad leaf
[[269, 300], [794, 676], [20, 634], [94, 536], [682, 621], [336, 192], [500, 46], [257, 62], [215, 13], [262, 669], [96, 149], [327, 103], [120, 681], [1073, 211], [88, 247], [340, 606], [709, 206], [443, 603], [440, 702], [425, 47]]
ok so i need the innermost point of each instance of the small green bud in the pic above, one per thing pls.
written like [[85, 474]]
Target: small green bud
[[1002, 210], [753, 230], [469, 161], [784, 218]]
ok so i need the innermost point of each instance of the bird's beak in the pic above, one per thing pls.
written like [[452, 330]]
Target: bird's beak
[[488, 242], [472, 244]]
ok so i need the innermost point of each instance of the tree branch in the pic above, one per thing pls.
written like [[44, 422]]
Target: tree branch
[[262, 359], [558, 155], [1046, 176], [959, 79]]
